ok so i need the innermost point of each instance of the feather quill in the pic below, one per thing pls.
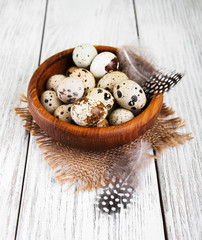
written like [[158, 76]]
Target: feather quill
[[124, 179], [142, 70]]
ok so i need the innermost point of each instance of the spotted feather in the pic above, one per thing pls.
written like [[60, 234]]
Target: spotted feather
[[124, 179], [118, 195], [160, 83]]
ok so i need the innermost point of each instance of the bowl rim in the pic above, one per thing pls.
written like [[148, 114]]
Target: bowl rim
[[34, 102]]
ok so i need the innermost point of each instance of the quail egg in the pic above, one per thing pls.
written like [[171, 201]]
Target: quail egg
[[129, 95], [83, 55], [54, 81], [120, 116], [102, 95], [86, 77], [70, 89], [70, 70], [88, 112], [103, 63], [63, 112], [50, 101], [110, 79]]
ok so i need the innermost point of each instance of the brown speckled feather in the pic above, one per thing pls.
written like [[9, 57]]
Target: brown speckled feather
[[134, 64], [142, 70]]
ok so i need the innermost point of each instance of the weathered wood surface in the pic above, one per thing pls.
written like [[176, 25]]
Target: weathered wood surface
[[20, 41], [50, 211], [173, 31]]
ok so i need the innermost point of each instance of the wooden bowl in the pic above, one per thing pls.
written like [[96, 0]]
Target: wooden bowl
[[83, 137]]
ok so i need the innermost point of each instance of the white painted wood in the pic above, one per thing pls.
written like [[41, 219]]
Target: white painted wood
[[21, 25], [47, 211], [173, 31]]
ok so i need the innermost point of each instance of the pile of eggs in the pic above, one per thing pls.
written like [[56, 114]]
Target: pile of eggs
[[94, 93]]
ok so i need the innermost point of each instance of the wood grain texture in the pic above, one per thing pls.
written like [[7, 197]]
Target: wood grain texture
[[83, 137], [51, 212], [20, 40], [172, 30]]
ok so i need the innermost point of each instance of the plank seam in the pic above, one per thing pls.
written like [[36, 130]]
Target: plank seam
[[155, 161], [22, 187], [160, 198], [28, 140], [43, 32], [136, 19]]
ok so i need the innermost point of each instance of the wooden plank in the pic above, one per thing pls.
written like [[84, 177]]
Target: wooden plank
[[172, 30], [50, 211], [20, 40]]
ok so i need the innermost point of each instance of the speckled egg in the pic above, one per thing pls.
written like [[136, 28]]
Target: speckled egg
[[104, 123], [70, 89], [129, 95], [102, 95], [120, 116], [110, 79], [54, 81], [84, 54], [88, 112], [85, 76], [63, 112], [70, 70], [103, 63], [50, 101]]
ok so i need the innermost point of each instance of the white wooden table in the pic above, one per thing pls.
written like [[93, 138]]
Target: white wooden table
[[32, 203]]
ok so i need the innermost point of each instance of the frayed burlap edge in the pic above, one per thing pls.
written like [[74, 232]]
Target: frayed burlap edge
[[89, 168]]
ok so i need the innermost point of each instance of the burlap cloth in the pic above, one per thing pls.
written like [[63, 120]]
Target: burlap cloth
[[89, 168]]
